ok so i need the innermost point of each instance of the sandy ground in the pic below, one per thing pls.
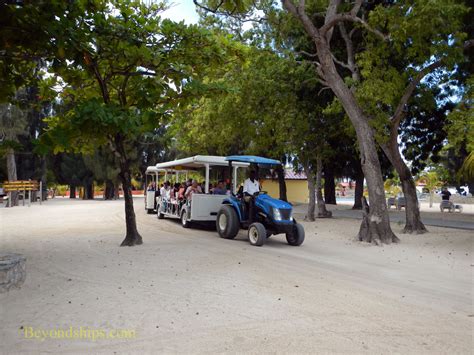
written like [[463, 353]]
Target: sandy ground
[[188, 291]]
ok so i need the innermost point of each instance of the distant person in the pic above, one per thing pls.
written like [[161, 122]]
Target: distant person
[[445, 194], [220, 189], [193, 189]]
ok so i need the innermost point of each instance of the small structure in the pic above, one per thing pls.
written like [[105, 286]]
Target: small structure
[[12, 271], [296, 186], [24, 188]]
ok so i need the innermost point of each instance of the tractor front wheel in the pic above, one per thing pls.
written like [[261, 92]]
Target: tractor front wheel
[[227, 222], [257, 234], [296, 236]]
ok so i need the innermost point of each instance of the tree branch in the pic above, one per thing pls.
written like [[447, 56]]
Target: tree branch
[[352, 66], [350, 18], [356, 7], [400, 110], [341, 63], [299, 12], [330, 13]]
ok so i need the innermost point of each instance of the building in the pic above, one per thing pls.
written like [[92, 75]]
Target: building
[[296, 186]]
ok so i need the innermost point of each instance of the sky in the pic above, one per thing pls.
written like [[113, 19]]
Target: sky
[[182, 10]]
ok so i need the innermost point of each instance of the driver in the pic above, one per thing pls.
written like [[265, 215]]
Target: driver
[[251, 188]]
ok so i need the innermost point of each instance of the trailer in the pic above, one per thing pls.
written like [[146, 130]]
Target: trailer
[[204, 207], [152, 175]]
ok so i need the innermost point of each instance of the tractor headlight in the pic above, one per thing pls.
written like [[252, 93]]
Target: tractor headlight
[[277, 214]]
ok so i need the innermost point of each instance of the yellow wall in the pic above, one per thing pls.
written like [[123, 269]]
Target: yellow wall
[[296, 190]]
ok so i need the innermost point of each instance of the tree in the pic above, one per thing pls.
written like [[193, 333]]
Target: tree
[[12, 124], [427, 33], [432, 182], [254, 111], [122, 72]]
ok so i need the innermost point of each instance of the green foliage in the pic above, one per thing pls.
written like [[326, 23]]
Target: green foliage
[[254, 112], [420, 33], [123, 71], [392, 186], [461, 120], [431, 180]]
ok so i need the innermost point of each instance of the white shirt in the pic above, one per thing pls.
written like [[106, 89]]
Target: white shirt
[[251, 187]]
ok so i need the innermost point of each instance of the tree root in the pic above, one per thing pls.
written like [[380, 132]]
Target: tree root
[[420, 229], [131, 241], [325, 214]]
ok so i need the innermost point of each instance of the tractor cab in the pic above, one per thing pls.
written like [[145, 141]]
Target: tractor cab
[[259, 213]]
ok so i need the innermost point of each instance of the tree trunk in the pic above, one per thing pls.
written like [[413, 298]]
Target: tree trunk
[[413, 223], [312, 194], [281, 183], [322, 211], [88, 191], [132, 237], [432, 197], [12, 176], [377, 218], [117, 191], [329, 186], [44, 174], [72, 191], [359, 191], [109, 192]]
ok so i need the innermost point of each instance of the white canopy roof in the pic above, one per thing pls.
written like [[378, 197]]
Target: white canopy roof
[[198, 161], [153, 169]]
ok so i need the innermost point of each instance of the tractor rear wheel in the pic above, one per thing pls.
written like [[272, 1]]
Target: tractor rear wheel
[[296, 237], [257, 234], [227, 222]]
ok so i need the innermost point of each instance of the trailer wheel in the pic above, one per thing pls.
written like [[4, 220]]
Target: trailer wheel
[[158, 212], [184, 219], [257, 234], [227, 222], [296, 237]]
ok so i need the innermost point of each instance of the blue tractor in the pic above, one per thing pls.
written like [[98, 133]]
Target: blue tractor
[[266, 217]]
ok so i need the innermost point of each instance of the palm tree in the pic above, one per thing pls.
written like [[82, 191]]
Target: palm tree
[[432, 182]]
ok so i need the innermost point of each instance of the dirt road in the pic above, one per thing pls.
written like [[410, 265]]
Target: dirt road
[[188, 291]]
